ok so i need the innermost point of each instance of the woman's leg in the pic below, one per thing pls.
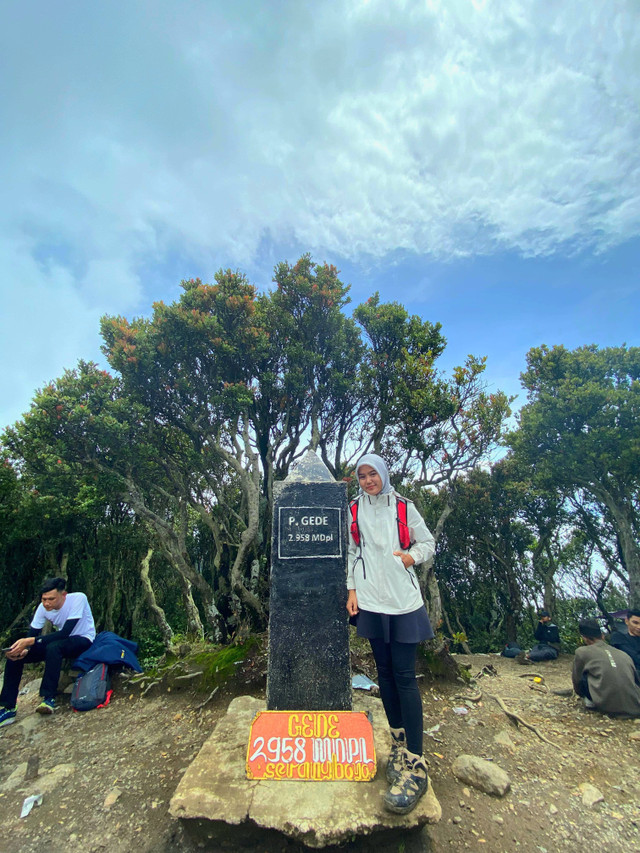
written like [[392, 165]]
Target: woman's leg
[[391, 704], [413, 781], [403, 658], [386, 682], [396, 665]]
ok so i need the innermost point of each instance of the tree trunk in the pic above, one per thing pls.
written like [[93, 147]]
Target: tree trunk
[[64, 562], [427, 579], [434, 603], [463, 643], [549, 591], [250, 479], [514, 606], [623, 522], [546, 572], [112, 580], [157, 611], [29, 607], [174, 547]]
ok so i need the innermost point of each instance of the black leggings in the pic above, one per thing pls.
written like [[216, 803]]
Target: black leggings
[[396, 664]]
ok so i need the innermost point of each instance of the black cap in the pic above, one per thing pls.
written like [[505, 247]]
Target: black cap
[[544, 613], [590, 628]]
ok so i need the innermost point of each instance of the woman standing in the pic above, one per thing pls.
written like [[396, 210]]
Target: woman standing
[[388, 537]]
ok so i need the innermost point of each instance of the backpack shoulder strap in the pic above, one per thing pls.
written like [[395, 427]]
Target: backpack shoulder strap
[[355, 530], [403, 527]]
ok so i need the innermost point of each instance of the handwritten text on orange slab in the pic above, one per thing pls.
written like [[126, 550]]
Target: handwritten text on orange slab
[[312, 746]]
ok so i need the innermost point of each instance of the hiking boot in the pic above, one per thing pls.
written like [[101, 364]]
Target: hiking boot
[[522, 659], [412, 783], [47, 706], [395, 762], [7, 716]]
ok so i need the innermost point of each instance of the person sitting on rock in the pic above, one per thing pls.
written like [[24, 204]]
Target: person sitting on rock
[[605, 677], [629, 641], [548, 637], [71, 615]]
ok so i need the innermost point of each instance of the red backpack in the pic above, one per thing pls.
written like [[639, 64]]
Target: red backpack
[[401, 518]]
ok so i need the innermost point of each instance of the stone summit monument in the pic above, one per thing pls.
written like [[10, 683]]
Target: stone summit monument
[[308, 670], [309, 665]]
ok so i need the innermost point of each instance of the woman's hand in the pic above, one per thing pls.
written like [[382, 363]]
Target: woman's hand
[[407, 559], [352, 603]]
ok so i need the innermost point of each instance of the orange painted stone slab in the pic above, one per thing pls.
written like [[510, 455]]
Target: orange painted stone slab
[[314, 746]]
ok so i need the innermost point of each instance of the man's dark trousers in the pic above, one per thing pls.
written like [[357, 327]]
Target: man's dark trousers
[[543, 652], [52, 653]]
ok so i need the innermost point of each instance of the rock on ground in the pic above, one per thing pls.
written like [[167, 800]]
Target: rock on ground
[[590, 794], [481, 774], [215, 799], [503, 738]]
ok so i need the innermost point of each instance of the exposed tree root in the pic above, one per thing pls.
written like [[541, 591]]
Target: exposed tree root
[[208, 699], [518, 720], [537, 681], [472, 697], [488, 669]]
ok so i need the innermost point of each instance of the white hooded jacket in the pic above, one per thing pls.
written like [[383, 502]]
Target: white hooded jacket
[[381, 582]]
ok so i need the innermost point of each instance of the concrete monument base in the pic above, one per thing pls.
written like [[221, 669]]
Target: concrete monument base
[[217, 803]]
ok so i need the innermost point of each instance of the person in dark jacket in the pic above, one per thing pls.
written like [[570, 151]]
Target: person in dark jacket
[[605, 677], [548, 637], [629, 641]]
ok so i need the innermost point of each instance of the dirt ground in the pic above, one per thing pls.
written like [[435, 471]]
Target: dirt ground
[[107, 776]]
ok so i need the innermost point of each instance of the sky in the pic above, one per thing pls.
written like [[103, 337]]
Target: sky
[[477, 161]]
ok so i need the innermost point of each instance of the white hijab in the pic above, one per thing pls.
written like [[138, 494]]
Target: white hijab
[[380, 467]]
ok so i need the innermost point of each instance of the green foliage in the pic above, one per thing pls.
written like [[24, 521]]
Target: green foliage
[[483, 558], [150, 646], [399, 382], [218, 664], [441, 665], [581, 422], [433, 661], [580, 433]]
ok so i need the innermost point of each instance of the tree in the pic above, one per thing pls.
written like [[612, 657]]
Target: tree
[[580, 431], [484, 556], [250, 381], [191, 368], [218, 393], [82, 452], [399, 383], [306, 388]]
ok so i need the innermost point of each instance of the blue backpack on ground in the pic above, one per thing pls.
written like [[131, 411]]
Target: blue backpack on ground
[[92, 689]]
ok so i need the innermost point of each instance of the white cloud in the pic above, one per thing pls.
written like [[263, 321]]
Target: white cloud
[[347, 128], [46, 327]]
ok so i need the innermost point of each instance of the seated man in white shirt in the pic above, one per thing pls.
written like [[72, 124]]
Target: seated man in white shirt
[[71, 615]]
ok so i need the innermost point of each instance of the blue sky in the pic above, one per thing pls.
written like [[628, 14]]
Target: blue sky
[[476, 161]]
